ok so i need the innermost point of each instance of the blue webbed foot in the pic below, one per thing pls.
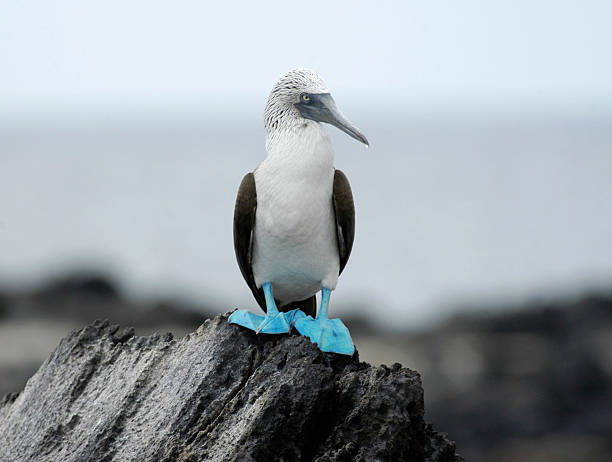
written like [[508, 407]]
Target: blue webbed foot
[[274, 322], [277, 323], [331, 335]]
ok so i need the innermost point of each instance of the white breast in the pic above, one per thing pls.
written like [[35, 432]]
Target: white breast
[[295, 244]]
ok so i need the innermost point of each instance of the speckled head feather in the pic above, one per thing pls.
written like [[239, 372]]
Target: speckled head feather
[[298, 103], [280, 110]]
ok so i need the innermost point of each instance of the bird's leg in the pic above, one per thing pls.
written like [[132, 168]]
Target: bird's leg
[[274, 322], [330, 335]]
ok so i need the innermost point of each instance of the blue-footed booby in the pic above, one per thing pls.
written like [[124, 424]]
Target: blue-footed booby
[[294, 219]]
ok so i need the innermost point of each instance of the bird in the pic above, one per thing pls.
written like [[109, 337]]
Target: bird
[[294, 218]]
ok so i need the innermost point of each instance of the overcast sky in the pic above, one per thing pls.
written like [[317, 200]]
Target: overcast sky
[[74, 54]]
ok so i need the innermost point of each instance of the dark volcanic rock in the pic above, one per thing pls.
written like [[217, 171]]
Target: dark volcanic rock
[[219, 394]]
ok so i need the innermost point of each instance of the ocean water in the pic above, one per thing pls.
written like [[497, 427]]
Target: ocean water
[[450, 212]]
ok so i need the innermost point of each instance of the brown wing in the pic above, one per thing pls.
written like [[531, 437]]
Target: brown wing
[[244, 229], [344, 208]]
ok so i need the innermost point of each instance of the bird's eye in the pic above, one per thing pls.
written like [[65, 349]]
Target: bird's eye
[[305, 98]]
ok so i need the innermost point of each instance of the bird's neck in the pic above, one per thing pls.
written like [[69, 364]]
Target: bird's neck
[[303, 145]]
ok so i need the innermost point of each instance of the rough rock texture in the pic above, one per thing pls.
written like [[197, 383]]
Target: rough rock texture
[[219, 394], [34, 319]]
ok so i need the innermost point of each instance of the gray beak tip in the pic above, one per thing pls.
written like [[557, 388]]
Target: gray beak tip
[[362, 139]]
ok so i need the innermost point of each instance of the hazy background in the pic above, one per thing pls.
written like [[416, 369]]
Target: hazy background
[[126, 128]]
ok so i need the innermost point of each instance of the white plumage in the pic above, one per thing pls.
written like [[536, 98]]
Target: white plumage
[[295, 244]]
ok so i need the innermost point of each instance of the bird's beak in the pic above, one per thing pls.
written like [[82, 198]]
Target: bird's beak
[[322, 108]]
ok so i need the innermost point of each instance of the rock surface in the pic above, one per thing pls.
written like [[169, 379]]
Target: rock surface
[[219, 394], [34, 319]]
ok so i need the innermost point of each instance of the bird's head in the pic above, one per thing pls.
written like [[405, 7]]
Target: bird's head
[[300, 96]]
